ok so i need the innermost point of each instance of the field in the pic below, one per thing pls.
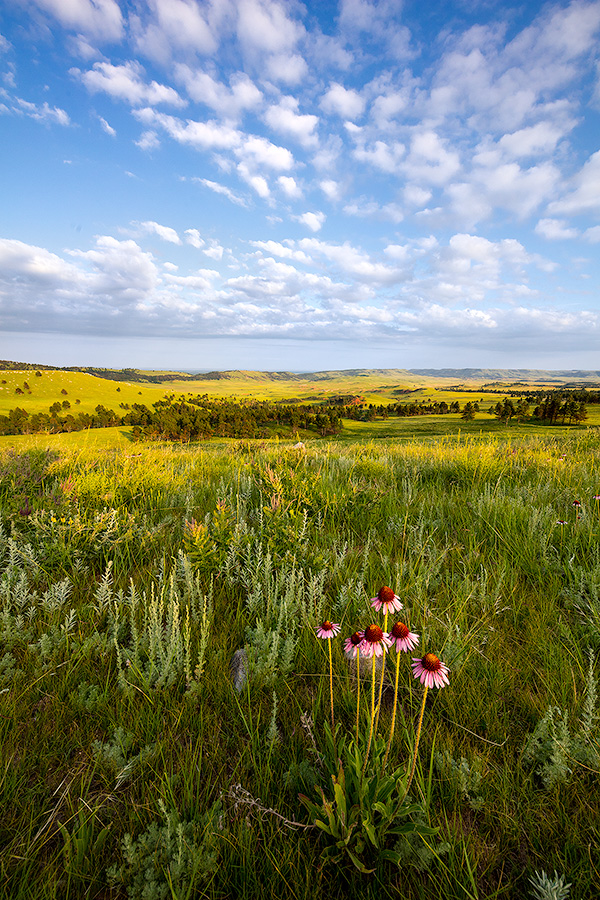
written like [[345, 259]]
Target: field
[[143, 757]]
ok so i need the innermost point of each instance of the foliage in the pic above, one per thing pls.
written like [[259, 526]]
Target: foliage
[[548, 887], [369, 810], [171, 858]]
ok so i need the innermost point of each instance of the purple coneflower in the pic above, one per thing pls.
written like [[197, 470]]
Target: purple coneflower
[[352, 644], [375, 642], [403, 639], [430, 671], [386, 600], [327, 630]]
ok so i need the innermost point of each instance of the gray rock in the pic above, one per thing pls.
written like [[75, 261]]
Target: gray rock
[[239, 669]]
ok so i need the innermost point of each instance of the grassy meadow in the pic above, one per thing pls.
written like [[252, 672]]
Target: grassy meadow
[[165, 701]]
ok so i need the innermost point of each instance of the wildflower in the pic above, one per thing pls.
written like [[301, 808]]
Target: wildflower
[[404, 639], [352, 644], [576, 503], [430, 671], [386, 600], [375, 642], [561, 522], [327, 630]]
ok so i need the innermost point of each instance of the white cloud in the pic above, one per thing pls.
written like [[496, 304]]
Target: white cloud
[[106, 127], [193, 238], [162, 231], [230, 102], [287, 69], [214, 250], [101, 19], [352, 261], [258, 151], [221, 189], [277, 249], [555, 230], [331, 189], [344, 102], [534, 140], [593, 234], [258, 183], [127, 83], [585, 197], [385, 212], [52, 115], [285, 119], [184, 23], [148, 140], [381, 155], [312, 220], [207, 135], [289, 186], [429, 160], [263, 26]]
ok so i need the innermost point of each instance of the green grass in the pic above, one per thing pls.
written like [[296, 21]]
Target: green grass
[[105, 719]]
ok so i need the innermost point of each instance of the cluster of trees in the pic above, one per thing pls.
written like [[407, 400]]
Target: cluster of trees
[[553, 410], [56, 420], [198, 418], [174, 419]]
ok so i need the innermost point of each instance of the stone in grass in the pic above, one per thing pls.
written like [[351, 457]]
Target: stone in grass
[[239, 669], [366, 666]]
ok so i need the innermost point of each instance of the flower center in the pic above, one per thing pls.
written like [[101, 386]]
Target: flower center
[[356, 638], [400, 631], [373, 634], [327, 626], [431, 662], [386, 595]]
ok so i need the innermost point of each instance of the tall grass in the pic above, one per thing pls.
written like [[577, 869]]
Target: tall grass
[[128, 582]]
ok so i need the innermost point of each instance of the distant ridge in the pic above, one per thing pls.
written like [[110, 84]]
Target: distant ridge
[[563, 377], [520, 375]]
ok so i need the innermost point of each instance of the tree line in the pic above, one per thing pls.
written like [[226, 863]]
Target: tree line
[[177, 419]]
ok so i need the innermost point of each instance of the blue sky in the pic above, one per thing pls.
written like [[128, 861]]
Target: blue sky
[[321, 185]]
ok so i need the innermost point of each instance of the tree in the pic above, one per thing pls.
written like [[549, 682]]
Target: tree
[[468, 413]]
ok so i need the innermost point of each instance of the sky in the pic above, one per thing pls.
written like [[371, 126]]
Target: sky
[[226, 184]]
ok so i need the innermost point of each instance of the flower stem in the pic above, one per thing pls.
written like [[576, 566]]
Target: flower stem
[[417, 739], [357, 690], [372, 714], [392, 726], [382, 675], [331, 685]]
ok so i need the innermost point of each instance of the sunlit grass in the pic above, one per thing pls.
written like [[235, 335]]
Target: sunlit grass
[[463, 528]]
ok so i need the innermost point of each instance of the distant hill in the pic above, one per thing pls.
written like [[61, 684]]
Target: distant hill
[[486, 378], [523, 376]]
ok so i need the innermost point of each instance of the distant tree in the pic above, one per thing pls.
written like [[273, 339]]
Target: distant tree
[[38, 374], [522, 409], [64, 391], [468, 413]]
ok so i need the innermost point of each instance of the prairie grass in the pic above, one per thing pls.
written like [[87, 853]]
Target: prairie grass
[[128, 579]]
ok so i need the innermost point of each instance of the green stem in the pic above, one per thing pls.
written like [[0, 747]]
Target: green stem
[[357, 690], [417, 739], [372, 714], [382, 674], [393, 725], [331, 685]]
